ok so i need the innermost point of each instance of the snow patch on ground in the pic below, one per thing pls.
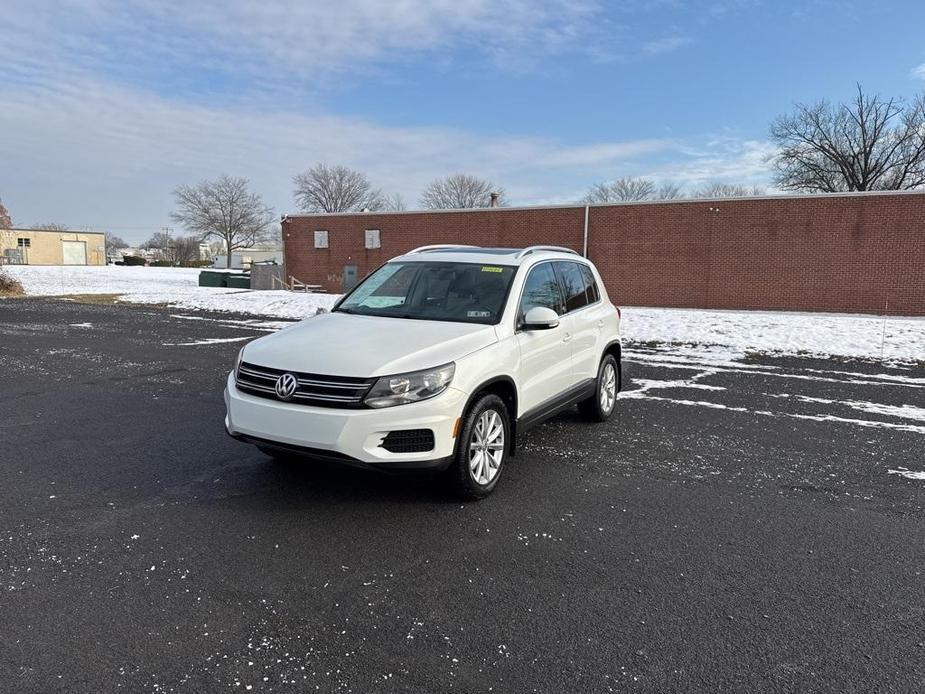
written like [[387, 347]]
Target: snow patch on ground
[[909, 474], [715, 337], [176, 287], [733, 334]]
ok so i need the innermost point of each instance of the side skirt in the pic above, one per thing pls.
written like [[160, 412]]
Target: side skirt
[[553, 406]]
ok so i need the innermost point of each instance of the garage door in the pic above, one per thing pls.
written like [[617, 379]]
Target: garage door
[[75, 252]]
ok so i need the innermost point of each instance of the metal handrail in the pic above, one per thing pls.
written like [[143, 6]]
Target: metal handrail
[[535, 249], [439, 247]]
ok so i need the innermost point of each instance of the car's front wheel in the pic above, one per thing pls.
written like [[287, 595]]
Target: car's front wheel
[[600, 406], [482, 448]]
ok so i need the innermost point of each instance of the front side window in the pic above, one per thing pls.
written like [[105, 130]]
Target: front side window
[[457, 292], [541, 288], [573, 285]]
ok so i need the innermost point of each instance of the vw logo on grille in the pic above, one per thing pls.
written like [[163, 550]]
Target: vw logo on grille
[[286, 386]]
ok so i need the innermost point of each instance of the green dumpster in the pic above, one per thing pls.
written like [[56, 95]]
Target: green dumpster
[[238, 282], [207, 278]]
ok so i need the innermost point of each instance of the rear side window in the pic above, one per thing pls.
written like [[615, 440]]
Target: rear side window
[[541, 289], [573, 285], [593, 293]]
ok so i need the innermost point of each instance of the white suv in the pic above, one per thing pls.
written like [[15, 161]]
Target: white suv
[[439, 359]]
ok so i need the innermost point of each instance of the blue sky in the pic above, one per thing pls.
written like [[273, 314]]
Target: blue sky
[[107, 105]]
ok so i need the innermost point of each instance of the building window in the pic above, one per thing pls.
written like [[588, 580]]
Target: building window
[[372, 238], [321, 239], [24, 243]]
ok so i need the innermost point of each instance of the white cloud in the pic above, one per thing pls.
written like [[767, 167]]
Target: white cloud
[[287, 40], [668, 44], [93, 153], [918, 72]]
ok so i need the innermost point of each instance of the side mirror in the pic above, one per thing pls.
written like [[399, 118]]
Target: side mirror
[[540, 318]]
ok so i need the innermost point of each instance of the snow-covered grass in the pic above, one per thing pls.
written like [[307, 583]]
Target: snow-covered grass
[[719, 334], [165, 285], [740, 332]]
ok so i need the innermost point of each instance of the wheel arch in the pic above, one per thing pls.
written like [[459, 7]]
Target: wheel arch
[[505, 388], [615, 348]]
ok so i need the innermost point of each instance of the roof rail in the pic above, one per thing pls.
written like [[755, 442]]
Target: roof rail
[[439, 247], [536, 249]]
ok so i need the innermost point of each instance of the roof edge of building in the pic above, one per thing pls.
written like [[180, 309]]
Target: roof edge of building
[[629, 203]]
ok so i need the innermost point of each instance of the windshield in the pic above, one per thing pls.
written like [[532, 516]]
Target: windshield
[[459, 292]]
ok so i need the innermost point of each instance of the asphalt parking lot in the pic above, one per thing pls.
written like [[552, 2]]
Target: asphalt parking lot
[[745, 525]]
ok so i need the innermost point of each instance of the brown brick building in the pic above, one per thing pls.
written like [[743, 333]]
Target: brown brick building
[[861, 252]]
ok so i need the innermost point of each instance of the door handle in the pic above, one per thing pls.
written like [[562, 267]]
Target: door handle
[[600, 324], [567, 337]]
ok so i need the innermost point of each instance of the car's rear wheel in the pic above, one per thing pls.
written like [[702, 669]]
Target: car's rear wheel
[[482, 448], [601, 405]]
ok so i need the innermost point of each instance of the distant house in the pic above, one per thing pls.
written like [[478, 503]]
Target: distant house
[[43, 247]]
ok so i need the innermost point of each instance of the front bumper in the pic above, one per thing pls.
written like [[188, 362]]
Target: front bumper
[[350, 436]]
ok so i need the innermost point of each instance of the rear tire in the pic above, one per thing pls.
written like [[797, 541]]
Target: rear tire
[[600, 406], [482, 448]]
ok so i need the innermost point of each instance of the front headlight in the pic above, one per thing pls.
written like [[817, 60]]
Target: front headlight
[[411, 387], [237, 362]]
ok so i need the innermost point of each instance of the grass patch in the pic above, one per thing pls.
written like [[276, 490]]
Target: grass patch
[[105, 299], [10, 286]]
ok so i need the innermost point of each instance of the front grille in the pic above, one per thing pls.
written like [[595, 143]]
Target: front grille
[[313, 389], [409, 441]]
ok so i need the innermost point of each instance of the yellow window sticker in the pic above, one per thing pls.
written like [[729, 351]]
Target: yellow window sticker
[[489, 268]]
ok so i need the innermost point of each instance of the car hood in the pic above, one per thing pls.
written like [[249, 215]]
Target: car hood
[[339, 344]]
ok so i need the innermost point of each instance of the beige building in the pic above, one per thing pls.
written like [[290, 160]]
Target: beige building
[[40, 247]]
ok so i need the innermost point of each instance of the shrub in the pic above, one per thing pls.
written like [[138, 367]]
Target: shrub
[[196, 263], [161, 263], [10, 286], [133, 260]]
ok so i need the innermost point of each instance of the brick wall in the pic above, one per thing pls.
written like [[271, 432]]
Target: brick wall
[[853, 253]]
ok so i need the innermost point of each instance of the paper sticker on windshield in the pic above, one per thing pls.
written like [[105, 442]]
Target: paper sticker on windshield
[[478, 314], [489, 268]]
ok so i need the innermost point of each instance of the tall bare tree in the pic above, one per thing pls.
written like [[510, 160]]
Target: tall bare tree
[[50, 226], [6, 222], [870, 143], [726, 190], [324, 188], [225, 210], [460, 191]]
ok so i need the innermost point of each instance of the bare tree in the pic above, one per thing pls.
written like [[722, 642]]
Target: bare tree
[[629, 189], [174, 249], [6, 222], [114, 242], [669, 191], [459, 191], [183, 249], [726, 190], [394, 203], [324, 188], [50, 226], [870, 143], [224, 209]]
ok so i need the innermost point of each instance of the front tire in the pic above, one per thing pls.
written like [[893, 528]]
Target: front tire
[[481, 449], [601, 405]]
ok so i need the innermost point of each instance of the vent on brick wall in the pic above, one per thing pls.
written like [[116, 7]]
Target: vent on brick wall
[[372, 238], [321, 239]]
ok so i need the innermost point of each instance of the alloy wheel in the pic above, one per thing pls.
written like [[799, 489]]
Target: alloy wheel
[[486, 447]]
